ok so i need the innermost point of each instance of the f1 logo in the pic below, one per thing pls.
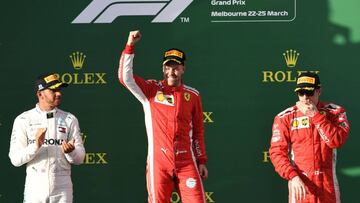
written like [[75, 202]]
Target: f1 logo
[[106, 11]]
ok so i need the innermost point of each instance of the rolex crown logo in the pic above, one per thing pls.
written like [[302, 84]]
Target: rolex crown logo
[[291, 57], [77, 59]]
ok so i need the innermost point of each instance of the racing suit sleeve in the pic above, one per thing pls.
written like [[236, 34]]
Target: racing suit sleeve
[[333, 129], [139, 87], [279, 150], [20, 152], [198, 133], [78, 154]]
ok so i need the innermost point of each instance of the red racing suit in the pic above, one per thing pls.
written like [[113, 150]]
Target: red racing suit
[[175, 130], [306, 147]]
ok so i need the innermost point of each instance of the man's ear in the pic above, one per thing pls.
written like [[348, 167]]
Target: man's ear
[[38, 93]]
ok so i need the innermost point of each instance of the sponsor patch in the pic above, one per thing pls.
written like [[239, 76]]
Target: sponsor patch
[[187, 96], [35, 123], [322, 133], [50, 78], [49, 115], [47, 141], [309, 80], [343, 124], [62, 129], [276, 136], [174, 53], [342, 116], [190, 182], [61, 121], [164, 99], [160, 97], [301, 122]]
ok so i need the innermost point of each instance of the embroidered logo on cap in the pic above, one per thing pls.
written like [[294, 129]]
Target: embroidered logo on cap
[[174, 53], [50, 78], [309, 80]]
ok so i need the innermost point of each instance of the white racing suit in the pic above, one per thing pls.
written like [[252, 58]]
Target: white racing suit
[[48, 169]]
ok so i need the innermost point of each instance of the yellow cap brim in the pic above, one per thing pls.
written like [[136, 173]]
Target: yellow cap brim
[[57, 85], [167, 60]]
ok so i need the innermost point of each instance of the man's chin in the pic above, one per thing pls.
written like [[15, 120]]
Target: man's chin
[[57, 103], [171, 82]]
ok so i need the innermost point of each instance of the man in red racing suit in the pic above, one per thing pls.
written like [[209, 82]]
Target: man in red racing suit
[[304, 142], [174, 125]]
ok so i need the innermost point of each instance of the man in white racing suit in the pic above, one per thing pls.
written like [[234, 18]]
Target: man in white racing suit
[[48, 140]]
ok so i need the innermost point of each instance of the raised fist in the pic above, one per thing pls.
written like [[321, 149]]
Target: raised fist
[[134, 36]]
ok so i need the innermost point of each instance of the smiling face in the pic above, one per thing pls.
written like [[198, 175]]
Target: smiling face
[[173, 73]]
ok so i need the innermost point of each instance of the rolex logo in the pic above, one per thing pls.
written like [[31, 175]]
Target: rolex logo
[[291, 57], [77, 59], [78, 77]]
